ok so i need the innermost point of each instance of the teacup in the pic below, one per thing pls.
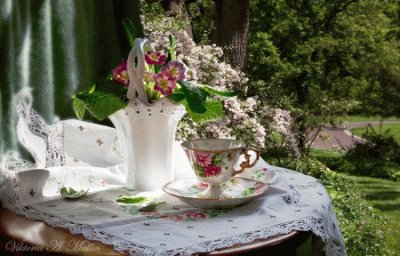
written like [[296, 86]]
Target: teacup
[[214, 160]]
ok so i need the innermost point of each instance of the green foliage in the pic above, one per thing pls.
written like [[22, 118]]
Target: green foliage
[[378, 156], [202, 17], [195, 97], [153, 11], [217, 91], [130, 31], [71, 193], [361, 225], [321, 59], [132, 199], [364, 118], [196, 100], [383, 128], [214, 111], [172, 46], [101, 102]]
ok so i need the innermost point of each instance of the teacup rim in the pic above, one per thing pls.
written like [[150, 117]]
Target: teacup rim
[[183, 144]]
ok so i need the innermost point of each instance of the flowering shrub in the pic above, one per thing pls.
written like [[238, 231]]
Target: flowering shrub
[[242, 116]]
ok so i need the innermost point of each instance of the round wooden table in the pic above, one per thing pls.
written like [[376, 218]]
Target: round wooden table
[[21, 236]]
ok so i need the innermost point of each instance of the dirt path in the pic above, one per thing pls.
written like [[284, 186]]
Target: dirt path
[[341, 137]]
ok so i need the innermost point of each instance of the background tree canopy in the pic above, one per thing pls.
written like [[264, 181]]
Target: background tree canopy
[[316, 51]]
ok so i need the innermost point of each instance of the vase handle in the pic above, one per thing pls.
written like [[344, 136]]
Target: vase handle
[[246, 163], [135, 66]]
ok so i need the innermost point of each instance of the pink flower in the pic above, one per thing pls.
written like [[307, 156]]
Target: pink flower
[[196, 215], [154, 58], [203, 158], [259, 188], [202, 185], [164, 83], [120, 73], [172, 217], [212, 170], [175, 70], [152, 214]]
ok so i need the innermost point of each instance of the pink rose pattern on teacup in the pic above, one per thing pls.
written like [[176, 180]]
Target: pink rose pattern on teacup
[[208, 164], [203, 158]]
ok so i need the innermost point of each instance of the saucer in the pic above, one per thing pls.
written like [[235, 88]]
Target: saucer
[[239, 191]]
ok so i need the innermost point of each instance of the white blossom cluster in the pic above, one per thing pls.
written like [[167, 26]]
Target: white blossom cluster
[[204, 65], [282, 123]]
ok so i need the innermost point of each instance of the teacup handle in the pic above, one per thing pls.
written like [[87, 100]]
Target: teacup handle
[[246, 163]]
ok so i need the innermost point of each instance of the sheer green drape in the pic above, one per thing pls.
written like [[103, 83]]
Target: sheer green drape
[[55, 47]]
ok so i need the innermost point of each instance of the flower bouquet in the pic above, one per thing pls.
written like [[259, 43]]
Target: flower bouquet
[[145, 97]]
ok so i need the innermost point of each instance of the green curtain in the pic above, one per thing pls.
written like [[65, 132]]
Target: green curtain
[[56, 47]]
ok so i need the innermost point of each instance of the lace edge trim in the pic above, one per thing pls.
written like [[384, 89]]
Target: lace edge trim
[[310, 223]]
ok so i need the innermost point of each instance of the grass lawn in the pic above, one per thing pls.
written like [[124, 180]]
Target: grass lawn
[[361, 118], [385, 196], [394, 129]]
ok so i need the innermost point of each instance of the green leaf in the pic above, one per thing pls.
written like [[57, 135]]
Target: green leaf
[[71, 193], [214, 111], [79, 107], [101, 104], [130, 31], [195, 97], [67, 191], [177, 96], [151, 207], [217, 91], [101, 100], [171, 49], [172, 41], [132, 199], [248, 192]]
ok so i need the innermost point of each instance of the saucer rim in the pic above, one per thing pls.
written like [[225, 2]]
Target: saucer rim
[[220, 199]]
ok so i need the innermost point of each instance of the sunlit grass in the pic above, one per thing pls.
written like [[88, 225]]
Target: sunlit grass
[[384, 195], [362, 118], [393, 129]]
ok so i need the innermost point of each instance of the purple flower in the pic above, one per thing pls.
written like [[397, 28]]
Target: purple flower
[[154, 58], [165, 84], [175, 70], [120, 73]]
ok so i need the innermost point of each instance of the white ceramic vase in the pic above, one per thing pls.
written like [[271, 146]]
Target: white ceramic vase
[[147, 135], [146, 131]]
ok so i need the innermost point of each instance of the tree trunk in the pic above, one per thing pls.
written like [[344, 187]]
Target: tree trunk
[[178, 8], [231, 30]]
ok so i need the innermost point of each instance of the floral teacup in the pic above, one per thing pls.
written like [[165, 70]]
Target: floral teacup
[[213, 161]]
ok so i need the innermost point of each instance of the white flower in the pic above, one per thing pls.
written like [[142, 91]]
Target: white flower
[[245, 120]]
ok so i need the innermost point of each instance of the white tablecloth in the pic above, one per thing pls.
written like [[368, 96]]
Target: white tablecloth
[[81, 154]]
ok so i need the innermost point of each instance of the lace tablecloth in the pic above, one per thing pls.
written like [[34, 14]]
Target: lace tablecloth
[[81, 154]]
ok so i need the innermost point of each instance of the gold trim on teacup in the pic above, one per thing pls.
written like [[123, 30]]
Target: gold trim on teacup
[[239, 145]]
